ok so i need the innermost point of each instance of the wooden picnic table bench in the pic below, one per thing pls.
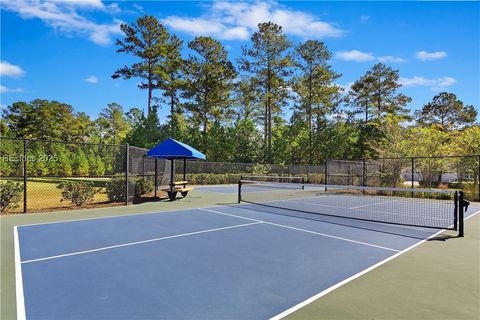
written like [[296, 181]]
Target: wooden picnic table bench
[[176, 187]]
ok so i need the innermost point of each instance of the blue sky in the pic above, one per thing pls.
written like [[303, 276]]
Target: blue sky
[[65, 51]]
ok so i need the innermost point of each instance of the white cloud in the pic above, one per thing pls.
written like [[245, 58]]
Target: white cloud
[[424, 55], [434, 84], [63, 17], [354, 55], [391, 59], [10, 70], [237, 20], [4, 89], [92, 79], [364, 18]]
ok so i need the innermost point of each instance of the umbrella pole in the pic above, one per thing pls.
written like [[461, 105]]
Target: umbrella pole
[[184, 169]]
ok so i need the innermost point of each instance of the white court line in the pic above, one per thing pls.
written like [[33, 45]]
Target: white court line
[[18, 278], [305, 230], [372, 204], [355, 276], [140, 242], [124, 215]]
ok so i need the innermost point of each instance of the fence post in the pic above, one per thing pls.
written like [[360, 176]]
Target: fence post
[[25, 173], [364, 175], [126, 172], [411, 178], [326, 174]]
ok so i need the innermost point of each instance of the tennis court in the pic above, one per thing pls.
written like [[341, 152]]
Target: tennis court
[[245, 261]]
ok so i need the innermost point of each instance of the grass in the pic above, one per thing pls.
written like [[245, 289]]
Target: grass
[[43, 195]]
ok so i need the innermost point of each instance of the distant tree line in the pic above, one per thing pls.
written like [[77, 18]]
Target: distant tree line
[[278, 103]]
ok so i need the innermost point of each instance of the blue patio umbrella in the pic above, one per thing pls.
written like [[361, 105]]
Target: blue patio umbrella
[[172, 149]]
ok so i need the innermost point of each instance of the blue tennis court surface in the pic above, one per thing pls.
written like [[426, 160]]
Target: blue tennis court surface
[[224, 262]]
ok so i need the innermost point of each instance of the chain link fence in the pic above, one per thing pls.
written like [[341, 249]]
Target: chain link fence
[[40, 175]]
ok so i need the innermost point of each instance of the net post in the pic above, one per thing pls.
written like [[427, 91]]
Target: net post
[[455, 211], [127, 155], [303, 183], [25, 175], [239, 191], [460, 214]]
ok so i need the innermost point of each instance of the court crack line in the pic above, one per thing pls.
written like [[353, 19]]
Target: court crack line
[[140, 242], [304, 230]]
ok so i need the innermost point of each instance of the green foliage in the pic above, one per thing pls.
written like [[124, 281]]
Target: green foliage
[[209, 76], [446, 111], [10, 195], [80, 164], [149, 42], [112, 124], [269, 63], [143, 186], [78, 192], [116, 189], [260, 169]]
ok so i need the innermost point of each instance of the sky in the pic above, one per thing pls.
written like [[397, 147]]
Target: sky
[[65, 50]]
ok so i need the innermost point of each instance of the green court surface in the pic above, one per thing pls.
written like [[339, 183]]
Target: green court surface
[[438, 279]]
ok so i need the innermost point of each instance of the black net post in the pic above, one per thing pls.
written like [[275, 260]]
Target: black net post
[[455, 214], [126, 172], [239, 191], [460, 213], [25, 172]]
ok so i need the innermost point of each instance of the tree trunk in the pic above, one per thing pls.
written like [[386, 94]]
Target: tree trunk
[[172, 114], [150, 89]]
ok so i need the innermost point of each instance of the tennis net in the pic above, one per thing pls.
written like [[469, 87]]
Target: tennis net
[[410, 207]]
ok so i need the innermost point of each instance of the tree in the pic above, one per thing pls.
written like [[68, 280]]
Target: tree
[[171, 75], [208, 83], [318, 95], [134, 116], [375, 95], [447, 111], [113, 124], [44, 119], [146, 133], [147, 40], [269, 64]]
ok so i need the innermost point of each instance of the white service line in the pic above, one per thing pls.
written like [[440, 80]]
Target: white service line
[[18, 278], [341, 283], [305, 230], [372, 204], [140, 242]]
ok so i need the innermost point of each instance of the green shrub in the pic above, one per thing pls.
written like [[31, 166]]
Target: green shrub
[[78, 192], [260, 169], [10, 195], [315, 178], [143, 186], [116, 189]]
